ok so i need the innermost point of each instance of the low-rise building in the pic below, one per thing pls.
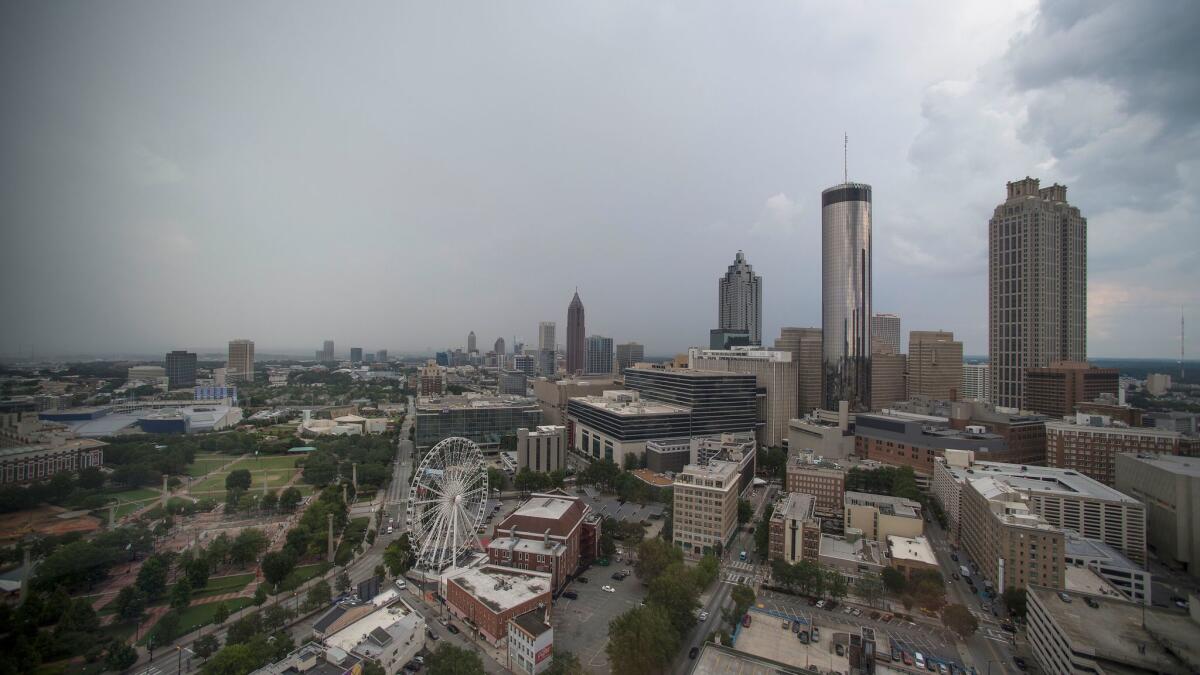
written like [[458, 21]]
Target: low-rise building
[[1057, 388], [705, 514], [1065, 498], [487, 597], [314, 659], [1073, 633], [910, 554], [1090, 444], [1169, 487], [823, 433], [23, 464], [795, 530], [512, 382], [820, 479], [618, 424], [1127, 577], [554, 395], [852, 554], [530, 643], [552, 532], [899, 440], [543, 450], [1011, 544], [390, 636], [879, 516]]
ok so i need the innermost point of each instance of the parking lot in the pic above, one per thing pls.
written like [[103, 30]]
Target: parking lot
[[609, 506], [581, 625], [766, 637], [928, 639]]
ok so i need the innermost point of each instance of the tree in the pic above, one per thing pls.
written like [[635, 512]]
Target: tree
[[893, 580], [398, 556], [320, 468], [869, 587], [260, 596], [269, 501], [641, 641], [197, 571], [276, 565], [167, 628], [221, 613], [1016, 600], [450, 660], [78, 618], [152, 577], [131, 603], [744, 511], [835, 584], [91, 478], [743, 597], [343, 582], [762, 533], [238, 479], [960, 620], [654, 557], [289, 499], [79, 563], [276, 617], [372, 668], [181, 594], [707, 571], [206, 646], [675, 592], [319, 594], [120, 656], [246, 548]]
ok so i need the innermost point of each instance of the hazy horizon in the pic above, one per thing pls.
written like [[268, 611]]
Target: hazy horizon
[[396, 175]]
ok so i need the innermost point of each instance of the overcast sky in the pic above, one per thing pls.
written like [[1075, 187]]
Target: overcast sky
[[173, 175]]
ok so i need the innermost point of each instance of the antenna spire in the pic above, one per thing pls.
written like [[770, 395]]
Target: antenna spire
[[845, 158], [1181, 343]]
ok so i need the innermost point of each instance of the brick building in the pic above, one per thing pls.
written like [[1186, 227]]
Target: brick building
[[795, 530], [485, 598], [826, 484], [552, 532], [1057, 388]]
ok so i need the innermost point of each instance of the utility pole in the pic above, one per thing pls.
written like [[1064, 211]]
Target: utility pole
[[354, 474]]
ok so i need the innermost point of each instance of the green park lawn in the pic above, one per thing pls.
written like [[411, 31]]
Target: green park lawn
[[222, 585], [201, 615], [201, 467], [138, 494], [268, 462]]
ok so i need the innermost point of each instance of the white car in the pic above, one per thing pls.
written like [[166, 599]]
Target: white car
[[820, 604], [703, 617], [608, 589]]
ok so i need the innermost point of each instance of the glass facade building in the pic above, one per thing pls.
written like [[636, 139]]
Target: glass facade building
[[484, 421], [846, 295], [719, 401]]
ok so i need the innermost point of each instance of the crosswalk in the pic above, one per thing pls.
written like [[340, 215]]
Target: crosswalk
[[740, 572]]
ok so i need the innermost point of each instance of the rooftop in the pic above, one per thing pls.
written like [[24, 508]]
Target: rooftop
[[631, 406], [438, 403], [712, 470], [1008, 504], [1085, 580], [501, 588], [1114, 631], [556, 512], [526, 545], [533, 622], [652, 478], [911, 548], [720, 660], [894, 506], [796, 506], [1076, 545], [370, 634], [1177, 464], [753, 353], [858, 551], [1043, 479]]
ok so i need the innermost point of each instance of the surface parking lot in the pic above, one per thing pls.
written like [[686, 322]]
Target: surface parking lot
[[766, 637], [930, 640], [609, 506], [581, 626]]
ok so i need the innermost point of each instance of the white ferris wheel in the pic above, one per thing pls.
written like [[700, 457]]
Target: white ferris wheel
[[446, 503]]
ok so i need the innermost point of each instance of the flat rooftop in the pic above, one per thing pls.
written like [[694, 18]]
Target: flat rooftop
[[863, 550], [533, 622], [1076, 545], [720, 660], [916, 549], [1176, 464], [1113, 631], [652, 478], [348, 638], [1047, 480], [501, 588], [796, 506], [895, 506], [545, 506], [714, 469], [631, 408], [428, 404]]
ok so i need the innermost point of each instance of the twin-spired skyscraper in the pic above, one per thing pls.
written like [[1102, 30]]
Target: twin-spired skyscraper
[[846, 295]]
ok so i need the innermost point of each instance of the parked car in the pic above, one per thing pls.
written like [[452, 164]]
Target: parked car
[[840, 649], [795, 626], [703, 617], [608, 589], [433, 635], [804, 637], [816, 633], [895, 653], [820, 604], [1064, 597], [582, 580], [786, 624], [1020, 663], [617, 576], [954, 557], [875, 616], [907, 658], [693, 652], [856, 611], [570, 595], [452, 628]]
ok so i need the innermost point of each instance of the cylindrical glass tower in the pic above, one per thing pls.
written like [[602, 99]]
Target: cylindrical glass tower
[[846, 295]]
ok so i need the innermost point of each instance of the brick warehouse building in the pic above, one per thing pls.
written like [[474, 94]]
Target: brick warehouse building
[[486, 598], [553, 533]]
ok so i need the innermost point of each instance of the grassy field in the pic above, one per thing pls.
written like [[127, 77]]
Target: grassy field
[[139, 494], [302, 574], [197, 616], [203, 465], [222, 585], [269, 462]]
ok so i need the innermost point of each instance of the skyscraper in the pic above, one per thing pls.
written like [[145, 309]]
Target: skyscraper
[[381, 355], [240, 364], [576, 349], [846, 295], [599, 355], [499, 349], [356, 355], [805, 346], [181, 370], [885, 333], [471, 343], [740, 300], [976, 384], [1037, 286], [935, 365], [629, 354], [327, 351], [545, 353]]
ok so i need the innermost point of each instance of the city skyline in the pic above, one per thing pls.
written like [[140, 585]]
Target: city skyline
[[154, 161]]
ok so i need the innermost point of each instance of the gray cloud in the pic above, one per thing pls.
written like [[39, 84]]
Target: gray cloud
[[399, 174]]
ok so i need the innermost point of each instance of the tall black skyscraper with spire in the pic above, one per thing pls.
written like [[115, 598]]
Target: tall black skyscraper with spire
[[576, 336]]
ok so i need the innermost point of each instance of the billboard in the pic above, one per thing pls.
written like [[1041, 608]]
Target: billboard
[[543, 653]]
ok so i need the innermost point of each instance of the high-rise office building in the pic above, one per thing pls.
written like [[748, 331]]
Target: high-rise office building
[[718, 401], [740, 300], [805, 346], [546, 336], [181, 370], [240, 363], [885, 333], [327, 351], [976, 383], [599, 355], [1037, 286], [356, 355], [888, 380], [934, 365], [629, 354], [846, 294], [471, 348], [576, 349], [1056, 389], [526, 363], [775, 375], [381, 355], [499, 349]]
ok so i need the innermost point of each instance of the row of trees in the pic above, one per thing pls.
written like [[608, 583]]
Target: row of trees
[[925, 588], [885, 480], [48, 627], [809, 578], [644, 640]]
